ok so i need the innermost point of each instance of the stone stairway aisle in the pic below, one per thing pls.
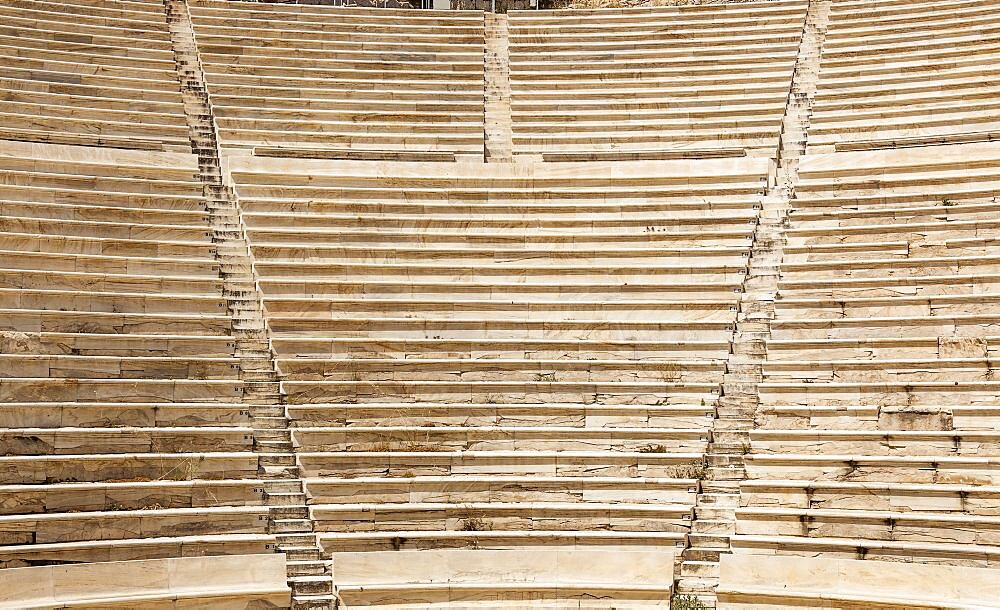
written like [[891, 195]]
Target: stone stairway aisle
[[715, 509], [802, 95], [499, 128], [289, 520]]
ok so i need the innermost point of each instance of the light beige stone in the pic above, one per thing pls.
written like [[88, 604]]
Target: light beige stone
[[759, 581]]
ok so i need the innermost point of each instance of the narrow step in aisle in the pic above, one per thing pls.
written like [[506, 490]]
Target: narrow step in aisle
[[499, 127], [715, 509], [309, 575]]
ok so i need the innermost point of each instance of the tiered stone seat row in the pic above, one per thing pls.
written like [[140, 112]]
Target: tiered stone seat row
[[877, 431], [547, 578], [122, 433], [94, 73], [764, 583], [681, 81], [500, 356], [315, 81], [238, 581], [907, 74]]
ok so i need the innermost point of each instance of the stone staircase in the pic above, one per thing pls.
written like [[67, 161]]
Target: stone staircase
[[499, 127], [795, 124], [715, 510], [308, 574], [714, 513]]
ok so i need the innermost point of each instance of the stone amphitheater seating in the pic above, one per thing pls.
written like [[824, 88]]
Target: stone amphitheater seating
[[488, 380], [309, 81], [504, 579], [683, 81], [90, 73], [240, 581], [898, 74], [123, 433], [877, 432], [468, 384]]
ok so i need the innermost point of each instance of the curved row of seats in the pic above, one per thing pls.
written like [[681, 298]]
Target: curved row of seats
[[877, 431], [500, 356], [90, 72], [357, 84], [771, 582], [122, 432], [551, 578], [235, 581], [681, 81], [907, 74]]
